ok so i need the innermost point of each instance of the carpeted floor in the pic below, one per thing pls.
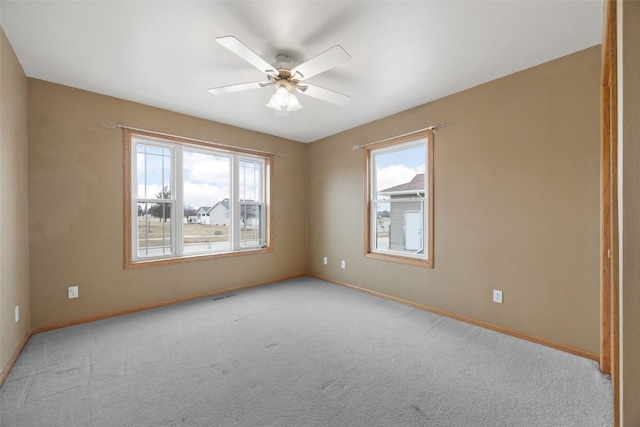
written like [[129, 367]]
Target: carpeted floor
[[297, 353]]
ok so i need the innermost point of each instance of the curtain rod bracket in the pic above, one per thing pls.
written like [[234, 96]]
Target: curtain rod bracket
[[109, 125]]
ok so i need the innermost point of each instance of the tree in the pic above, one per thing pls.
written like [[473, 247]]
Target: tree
[[247, 212], [189, 210], [162, 210]]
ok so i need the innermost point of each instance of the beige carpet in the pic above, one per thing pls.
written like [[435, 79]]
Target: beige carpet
[[297, 353]]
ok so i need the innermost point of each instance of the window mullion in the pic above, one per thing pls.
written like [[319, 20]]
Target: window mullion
[[178, 206], [234, 205], [425, 204], [373, 197], [134, 201]]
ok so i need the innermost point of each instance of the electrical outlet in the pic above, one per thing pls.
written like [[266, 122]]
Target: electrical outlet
[[72, 292], [343, 264], [324, 260], [497, 296], [17, 312]]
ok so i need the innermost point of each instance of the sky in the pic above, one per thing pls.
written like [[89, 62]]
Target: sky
[[398, 167], [206, 179], [206, 176]]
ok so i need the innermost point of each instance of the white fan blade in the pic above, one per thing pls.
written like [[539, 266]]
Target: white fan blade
[[237, 88], [316, 65], [324, 94], [240, 49]]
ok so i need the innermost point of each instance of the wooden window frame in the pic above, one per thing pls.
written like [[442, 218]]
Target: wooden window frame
[[428, 210], [130, 261]]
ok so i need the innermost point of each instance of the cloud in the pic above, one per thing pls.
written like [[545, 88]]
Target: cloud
[[201, 194], [199, 167], [393, 175], [206, 178], [151, 191]]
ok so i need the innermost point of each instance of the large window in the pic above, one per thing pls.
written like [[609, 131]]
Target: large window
[[400, 199], [189, 199]]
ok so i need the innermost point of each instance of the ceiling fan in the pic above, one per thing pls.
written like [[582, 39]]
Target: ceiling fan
[[288, 80]]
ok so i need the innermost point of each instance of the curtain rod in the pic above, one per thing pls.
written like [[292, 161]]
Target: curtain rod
[[113, 125], [432, 127]]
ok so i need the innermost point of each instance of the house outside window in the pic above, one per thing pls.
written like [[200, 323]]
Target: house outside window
[[190, 200], [400, 199]]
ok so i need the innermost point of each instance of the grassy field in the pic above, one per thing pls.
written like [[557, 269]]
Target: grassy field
[[154, 231]]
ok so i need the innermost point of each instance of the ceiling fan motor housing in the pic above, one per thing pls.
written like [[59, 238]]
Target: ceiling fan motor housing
[[283, 66], [283, 62]]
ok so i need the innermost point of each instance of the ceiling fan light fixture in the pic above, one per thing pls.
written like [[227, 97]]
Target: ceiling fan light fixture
[[272, 104], [281, 97], [283, 100], [294, 104], [279, 100]]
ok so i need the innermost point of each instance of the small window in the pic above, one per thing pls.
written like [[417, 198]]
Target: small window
[[400, 199], [188, 199]]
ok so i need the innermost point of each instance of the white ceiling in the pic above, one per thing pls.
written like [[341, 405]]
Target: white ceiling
[[404, 53]]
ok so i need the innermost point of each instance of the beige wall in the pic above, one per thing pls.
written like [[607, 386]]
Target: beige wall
[[516, 204], [14, 211], [76, 206], [629, 79]]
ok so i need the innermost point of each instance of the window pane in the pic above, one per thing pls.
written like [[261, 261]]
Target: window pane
[[154, 229], [398, 197], [153, 172], [383, 225], [251, 226], [400, 173], [206, 193], [400, 226], [250, 179], [406, 227]]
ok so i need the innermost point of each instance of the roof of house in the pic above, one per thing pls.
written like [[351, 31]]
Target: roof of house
[[224, 203], [416, 184]]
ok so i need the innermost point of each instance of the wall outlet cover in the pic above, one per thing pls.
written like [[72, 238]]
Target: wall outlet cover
[[497, 296], [72, 292]]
